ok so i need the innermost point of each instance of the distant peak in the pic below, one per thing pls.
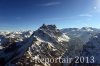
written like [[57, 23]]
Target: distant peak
[[51, 27], [86, 28]]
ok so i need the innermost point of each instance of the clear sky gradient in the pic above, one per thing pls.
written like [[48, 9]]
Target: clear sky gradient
[[30, 14]]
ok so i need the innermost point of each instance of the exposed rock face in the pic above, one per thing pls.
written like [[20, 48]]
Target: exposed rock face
[[51, 43]]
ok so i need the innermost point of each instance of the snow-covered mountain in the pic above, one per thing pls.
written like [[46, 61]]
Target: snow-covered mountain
[[7, 38], [25, 48], [46, 42], [84, 34]]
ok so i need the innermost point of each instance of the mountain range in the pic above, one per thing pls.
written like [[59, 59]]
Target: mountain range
[[22, 48]]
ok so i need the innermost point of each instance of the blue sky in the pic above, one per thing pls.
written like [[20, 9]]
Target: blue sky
[[31, 14]]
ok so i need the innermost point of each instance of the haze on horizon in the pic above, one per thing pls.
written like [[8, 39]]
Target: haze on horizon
[[31, 14]]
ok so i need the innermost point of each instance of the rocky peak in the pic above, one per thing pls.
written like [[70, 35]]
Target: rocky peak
[[50, 30], [87, 28], [50, 27]]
